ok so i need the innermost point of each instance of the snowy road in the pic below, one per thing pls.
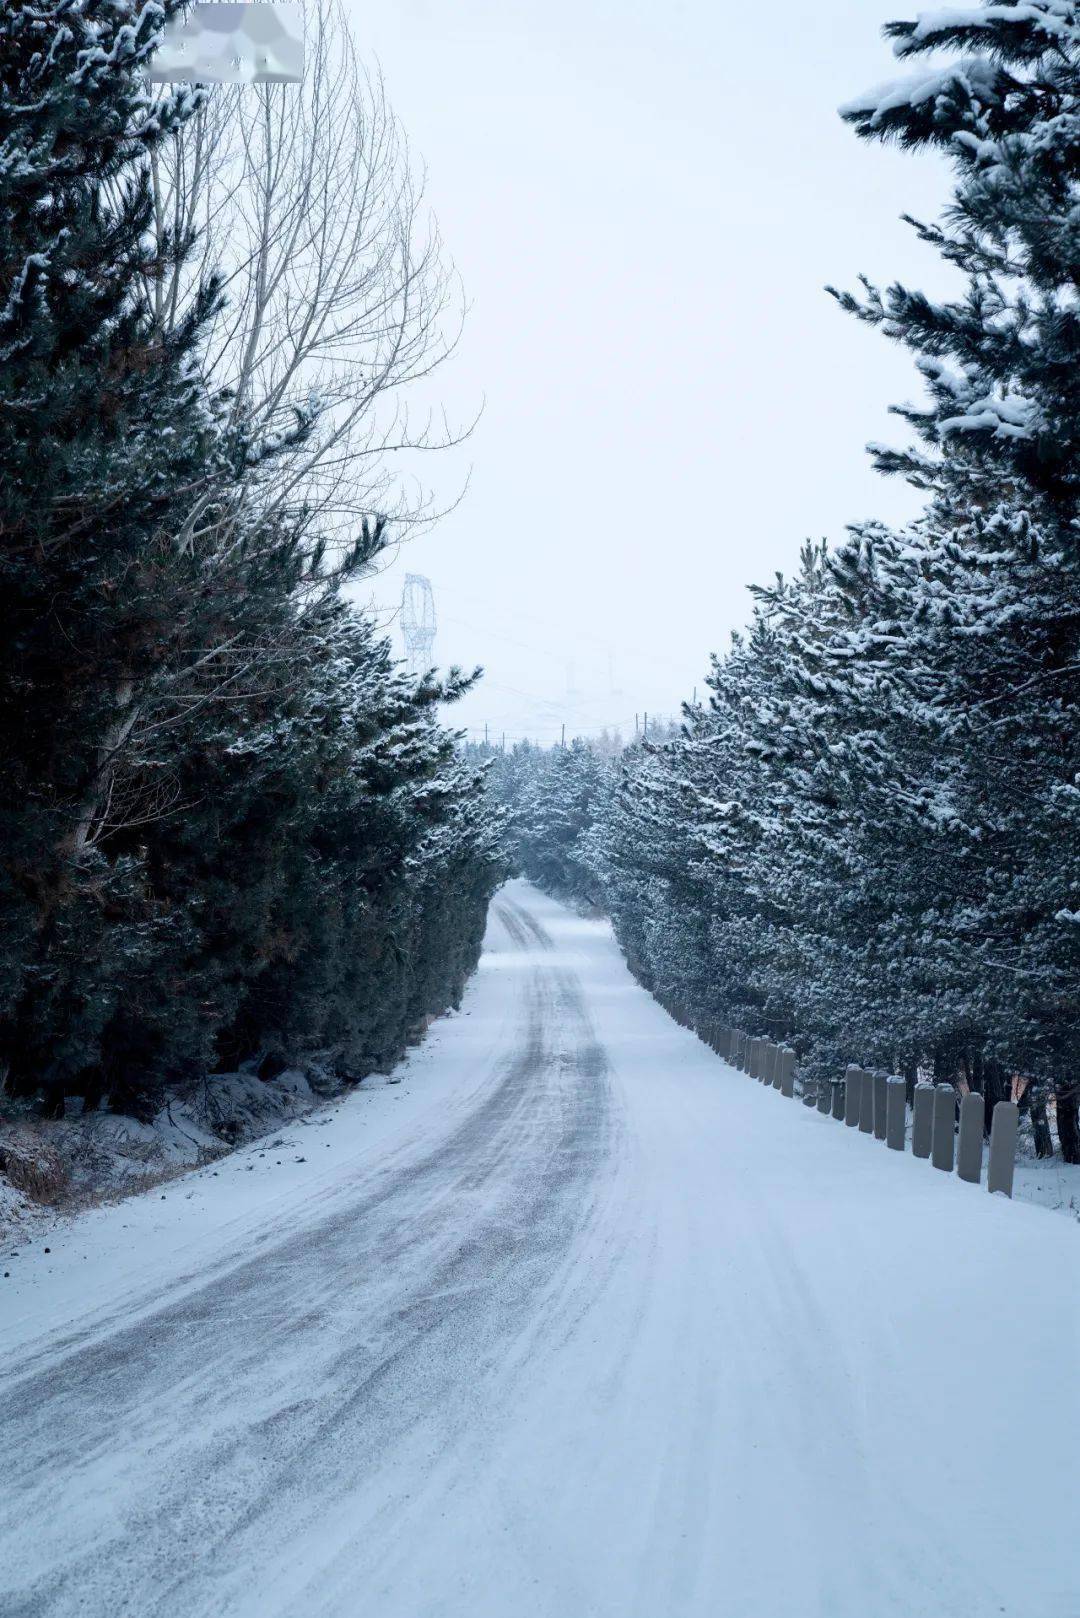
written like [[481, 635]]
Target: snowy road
[[588, 1325]]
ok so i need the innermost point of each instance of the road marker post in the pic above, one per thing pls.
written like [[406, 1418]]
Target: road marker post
[[943, 1144], [881, 1101], [895, 1113], [1003, 1129], [866, 1104], [922, 1119], [969, 1149], [852, 1095], [787, 1071]]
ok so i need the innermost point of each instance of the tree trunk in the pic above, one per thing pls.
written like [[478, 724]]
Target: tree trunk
[[1067, 1098], [1044, 1145], [995, 1088], [115, 737]]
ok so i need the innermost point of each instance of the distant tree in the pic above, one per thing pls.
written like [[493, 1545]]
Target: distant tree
[[866, 840], [339, 302]]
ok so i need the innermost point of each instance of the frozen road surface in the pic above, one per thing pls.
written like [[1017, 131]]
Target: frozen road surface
[[576, 1322]]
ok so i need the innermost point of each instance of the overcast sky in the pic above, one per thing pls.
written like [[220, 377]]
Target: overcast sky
[[644, 202]]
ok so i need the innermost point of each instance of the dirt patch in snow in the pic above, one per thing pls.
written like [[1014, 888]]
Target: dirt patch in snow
[[71, 1163]]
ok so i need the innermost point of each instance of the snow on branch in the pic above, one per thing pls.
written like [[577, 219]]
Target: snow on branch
[[1054, 18], [1007, 417], [976, 76]]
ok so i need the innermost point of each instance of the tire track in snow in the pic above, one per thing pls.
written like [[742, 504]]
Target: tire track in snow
[[240, 1413]]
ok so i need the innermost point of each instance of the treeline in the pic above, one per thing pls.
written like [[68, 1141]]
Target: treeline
[[867, 840], [232, 829]]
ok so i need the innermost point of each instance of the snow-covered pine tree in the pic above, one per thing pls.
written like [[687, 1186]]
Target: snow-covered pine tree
[[231, 829], [989, 582], [107, 443], [867, 840], [556, 795]]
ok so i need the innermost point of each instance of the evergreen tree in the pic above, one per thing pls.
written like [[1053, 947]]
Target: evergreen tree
[[990, 580], [109, 444], [866, 841], [233, 830]]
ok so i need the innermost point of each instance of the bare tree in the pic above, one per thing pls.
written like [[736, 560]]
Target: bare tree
[[339, 302], [338, 306]]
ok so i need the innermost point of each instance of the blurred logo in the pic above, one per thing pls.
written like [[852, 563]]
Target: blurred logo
[[232, 44]]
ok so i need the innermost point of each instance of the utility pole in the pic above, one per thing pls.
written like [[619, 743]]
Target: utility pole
[[417, 623], [645, 732], [562, 744], [485, 733], [504, 741]]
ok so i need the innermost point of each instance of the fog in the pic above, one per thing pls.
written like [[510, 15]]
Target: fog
[[644, 203]]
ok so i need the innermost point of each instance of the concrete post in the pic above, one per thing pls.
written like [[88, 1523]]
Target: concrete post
[[824, 1095], [769, 1068], [740, 1051], [852, 1095], [866, 1104], [895, 1113], [1003, 1128], [787, 1071], [753, 1067], [922, 1122], [778, 1065], [943, 1145], [838, 1098], [881, 1101], [723, 1048], [969, 1146]]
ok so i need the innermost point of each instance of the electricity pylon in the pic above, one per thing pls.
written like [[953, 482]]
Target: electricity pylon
[[417, 623]]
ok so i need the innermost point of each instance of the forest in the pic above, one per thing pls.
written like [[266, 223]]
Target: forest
[[866, 840], [236, 831], [233, 829], [389, 1225]]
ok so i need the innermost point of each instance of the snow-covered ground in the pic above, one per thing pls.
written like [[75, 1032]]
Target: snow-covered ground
[[574, 1322]]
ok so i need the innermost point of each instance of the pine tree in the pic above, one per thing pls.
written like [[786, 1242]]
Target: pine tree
[[107, 441], [991, 579], [232, 829], [867, 839]]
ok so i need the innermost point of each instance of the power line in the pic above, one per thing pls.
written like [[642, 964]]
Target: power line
[[418, 623]]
